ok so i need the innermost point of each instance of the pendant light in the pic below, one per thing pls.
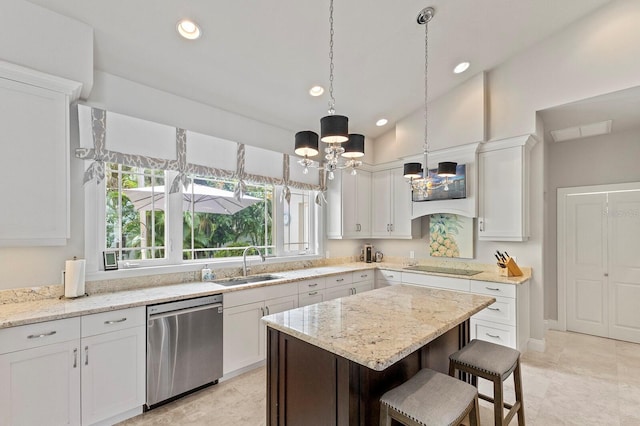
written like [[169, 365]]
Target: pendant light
[[334, 131], [419, 175]]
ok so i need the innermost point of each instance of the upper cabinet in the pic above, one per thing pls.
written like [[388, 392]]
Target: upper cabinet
[[349, 205], [391, 206], [34, 118], [504, 189]]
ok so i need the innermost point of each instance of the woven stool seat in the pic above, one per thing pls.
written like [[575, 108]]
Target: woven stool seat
[[430, 399], [495, 363]]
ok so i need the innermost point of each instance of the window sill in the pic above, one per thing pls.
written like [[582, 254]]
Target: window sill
[[191, 266]]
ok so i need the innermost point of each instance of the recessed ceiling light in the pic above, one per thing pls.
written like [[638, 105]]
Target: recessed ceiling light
[[188, 29], [381, 122], [316, 91], [461, 67]]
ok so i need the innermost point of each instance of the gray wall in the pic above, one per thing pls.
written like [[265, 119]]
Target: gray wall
[[599, 160]]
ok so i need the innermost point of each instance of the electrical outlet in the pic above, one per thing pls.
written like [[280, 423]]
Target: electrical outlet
[[327, 254], [412, 254]]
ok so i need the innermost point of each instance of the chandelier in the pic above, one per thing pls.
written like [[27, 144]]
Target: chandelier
[[343, 149], [418, 174]]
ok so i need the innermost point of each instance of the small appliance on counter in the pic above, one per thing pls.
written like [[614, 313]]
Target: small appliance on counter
[[379, 256], [368, 253]]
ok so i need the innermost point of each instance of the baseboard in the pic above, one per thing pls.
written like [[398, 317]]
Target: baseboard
[[537, 345], [242, 370], [552, 325], [120, 417]]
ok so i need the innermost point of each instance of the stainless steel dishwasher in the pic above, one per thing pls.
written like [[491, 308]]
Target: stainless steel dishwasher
[[184, 347]]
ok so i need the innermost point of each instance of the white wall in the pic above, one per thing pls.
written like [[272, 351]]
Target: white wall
[[37, 38], [599, 160]]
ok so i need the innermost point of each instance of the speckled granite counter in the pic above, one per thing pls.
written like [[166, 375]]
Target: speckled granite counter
[[27, 312], [13, 314], [379, 327]]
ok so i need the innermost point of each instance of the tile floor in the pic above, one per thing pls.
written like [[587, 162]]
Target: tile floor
[[579, 380]]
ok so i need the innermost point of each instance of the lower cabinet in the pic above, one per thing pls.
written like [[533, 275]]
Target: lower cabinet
[[52, 373], [243, 331]]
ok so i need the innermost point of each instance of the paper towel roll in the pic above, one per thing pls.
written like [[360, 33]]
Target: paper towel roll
[[74, 278]]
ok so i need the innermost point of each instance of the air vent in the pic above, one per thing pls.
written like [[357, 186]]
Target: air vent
[[584, 131]]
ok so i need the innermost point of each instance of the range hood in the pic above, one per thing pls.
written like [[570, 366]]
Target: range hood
[[464, 154]]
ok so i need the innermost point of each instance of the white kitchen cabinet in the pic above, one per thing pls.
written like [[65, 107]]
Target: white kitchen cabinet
[[384, 278], [113, 364], [244, 333], [362, 286], [34, 118], [391, 206], [506, 321], [52, 373], [311, 291], [41, 386], [503, 210], [349, 205]]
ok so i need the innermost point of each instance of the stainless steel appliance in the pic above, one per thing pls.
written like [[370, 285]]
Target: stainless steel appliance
[[184, 347], [368, 253]]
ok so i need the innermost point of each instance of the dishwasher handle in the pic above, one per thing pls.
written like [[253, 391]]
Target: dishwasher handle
[[186, 311]]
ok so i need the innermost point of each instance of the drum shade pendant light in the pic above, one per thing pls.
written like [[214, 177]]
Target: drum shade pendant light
[[334, 131], [417, 174]]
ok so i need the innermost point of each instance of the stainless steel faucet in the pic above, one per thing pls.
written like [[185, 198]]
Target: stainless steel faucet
[[244, 258]]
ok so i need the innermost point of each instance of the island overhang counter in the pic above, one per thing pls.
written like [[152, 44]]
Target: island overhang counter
[[329, 363]]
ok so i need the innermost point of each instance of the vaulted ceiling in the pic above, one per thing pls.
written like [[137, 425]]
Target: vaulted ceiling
[[259, 58]]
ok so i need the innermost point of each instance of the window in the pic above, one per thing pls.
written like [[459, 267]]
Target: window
[[135, 212], [216, 224], [138, 217]]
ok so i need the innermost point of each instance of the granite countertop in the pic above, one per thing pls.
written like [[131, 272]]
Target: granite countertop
[[380, 327], [484, 275], [14, 314], [22, 313]]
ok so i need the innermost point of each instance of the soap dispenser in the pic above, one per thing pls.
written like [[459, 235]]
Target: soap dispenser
[[207, 274]]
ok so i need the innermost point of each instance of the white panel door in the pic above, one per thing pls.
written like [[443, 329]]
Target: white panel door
[[401, 206], [113, 373], [41, 386], [363, 195], [380, 204], [349, 205], [243, 336], [586, 257], [624, 265]]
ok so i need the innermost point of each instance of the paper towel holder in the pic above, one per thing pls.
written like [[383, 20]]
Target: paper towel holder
[[110, 260]]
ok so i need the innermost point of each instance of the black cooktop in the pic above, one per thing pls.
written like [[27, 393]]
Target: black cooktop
[[440, 270]]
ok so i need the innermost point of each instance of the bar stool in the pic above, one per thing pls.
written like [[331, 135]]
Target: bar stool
[[430, 399], [495, 363]]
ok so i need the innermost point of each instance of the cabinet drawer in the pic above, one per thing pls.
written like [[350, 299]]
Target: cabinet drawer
[[311, 297], [311, 285], [503, 311], [493, 289], [40, 334], [105, 322], [259, 294], [389, 275], [339, 280], [436, 281], [358, 276], [494, 333]]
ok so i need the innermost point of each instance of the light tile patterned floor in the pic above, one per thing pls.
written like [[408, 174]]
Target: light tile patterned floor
[[579, 380]]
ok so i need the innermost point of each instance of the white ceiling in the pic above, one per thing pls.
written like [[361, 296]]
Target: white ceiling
[[259, 58]]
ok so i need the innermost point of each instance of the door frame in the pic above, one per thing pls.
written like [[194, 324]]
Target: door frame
[[561, 230]]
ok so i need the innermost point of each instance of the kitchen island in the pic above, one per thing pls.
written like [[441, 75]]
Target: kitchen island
[[329, 363]]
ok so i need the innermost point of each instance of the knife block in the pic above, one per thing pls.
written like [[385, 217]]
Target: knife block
[[511, 269]]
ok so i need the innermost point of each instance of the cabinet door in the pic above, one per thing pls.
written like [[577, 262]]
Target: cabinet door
[[281, 304], [41, 386], [350, 191], [380, 204], [502, 191], [334, 219], [243, 337], [363, 199], [34, 121], [363, 286], [401, 226], [336, 292], [113, 373]]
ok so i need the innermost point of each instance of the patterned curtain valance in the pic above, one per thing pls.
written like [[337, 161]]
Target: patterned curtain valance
[[101, 155]]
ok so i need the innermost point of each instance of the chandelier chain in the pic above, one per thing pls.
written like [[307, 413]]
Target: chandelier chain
[[426, 92], [332, 101]]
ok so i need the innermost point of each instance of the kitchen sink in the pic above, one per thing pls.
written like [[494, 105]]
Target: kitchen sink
[[228, 282]]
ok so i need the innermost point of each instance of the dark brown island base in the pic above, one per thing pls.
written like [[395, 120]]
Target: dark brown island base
[[329, 363]]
